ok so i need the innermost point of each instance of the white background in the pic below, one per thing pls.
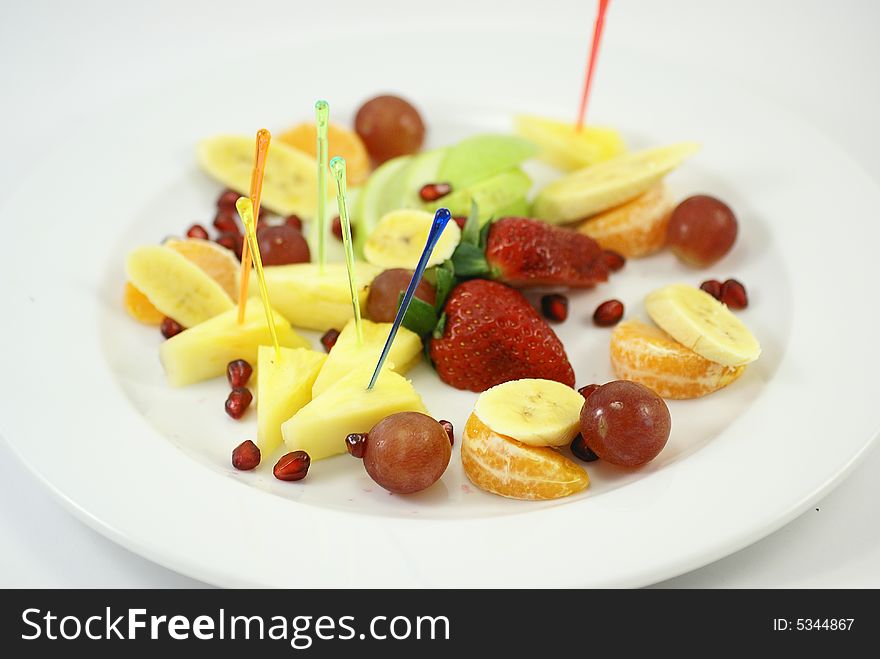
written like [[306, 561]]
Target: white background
[[59, 61]]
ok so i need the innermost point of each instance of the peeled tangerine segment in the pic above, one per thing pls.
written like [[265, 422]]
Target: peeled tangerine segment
[[566, 147], [320, 428], [509, 468], [139, 306], [203, 351], [312, 299], [700, 322], [532, 411], [341, 142], [175, 286], [290, 182], [636, 228], [218, 262], [591, 190], [647, 355], [400, 237], [284, 386], [348, 354]]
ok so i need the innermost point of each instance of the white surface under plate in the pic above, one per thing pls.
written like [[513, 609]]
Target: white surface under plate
[[148, 466]]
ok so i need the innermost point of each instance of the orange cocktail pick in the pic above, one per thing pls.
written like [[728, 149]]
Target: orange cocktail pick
[[591, 62], [260, 152]]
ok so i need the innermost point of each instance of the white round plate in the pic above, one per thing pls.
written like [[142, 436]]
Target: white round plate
[[86, 408]]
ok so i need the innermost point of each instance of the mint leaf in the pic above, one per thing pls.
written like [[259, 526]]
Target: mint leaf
[[444, 281], [469, 261], [420, 318], [440, 327]]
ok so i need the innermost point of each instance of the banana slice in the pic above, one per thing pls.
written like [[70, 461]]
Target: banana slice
[[567, 148], [400, 237], [594, 189], [175, 286], [290, 182], [699, 321], [531, 411]]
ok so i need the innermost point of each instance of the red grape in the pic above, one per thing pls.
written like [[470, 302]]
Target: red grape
[[625, 423], [385, 292], [280, 245], [701, 230], [389, 126], [407, 452]]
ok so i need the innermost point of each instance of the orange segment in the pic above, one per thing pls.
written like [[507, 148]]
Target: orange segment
[[139, 307], [636, 228], [645, 354], [504, 466], [342, 142], [215, 260]]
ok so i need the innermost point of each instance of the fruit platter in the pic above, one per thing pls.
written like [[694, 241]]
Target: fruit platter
[[372, 319]]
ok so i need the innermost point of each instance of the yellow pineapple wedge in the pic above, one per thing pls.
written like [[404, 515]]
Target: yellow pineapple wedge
[[346, 355], [283, 387], [320, 428], [314, 300], [203, 351]]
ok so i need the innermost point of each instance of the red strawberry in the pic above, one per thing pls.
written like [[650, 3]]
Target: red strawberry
[[524, 252], [493, 335]]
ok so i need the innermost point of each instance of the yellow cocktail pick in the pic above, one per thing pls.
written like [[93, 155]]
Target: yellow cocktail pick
[[261, 150]]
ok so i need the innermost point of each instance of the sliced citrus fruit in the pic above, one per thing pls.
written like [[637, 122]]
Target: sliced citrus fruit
[[509, 468], [215, 260], [647, 355], [636, 228], [342, 142], [139, 306]]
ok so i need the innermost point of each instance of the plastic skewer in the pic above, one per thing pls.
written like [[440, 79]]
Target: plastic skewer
[[261, 150], [441, 218], [322, 112], [591, 62], [337, 166], [246, 212]]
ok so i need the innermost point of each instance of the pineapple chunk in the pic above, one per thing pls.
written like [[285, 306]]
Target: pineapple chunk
[[283, 386], [320, 428], [314, 300], [347, 355], [203, 351]]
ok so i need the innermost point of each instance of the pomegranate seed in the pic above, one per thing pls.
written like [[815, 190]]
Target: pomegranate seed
[[246, 456], [238, 372], [197, 231], [226, 201], [613, 260], [226, 223], [555, 307], [587, 391], [231, 241], [733, 294], [336, 228], [581, 450], [295, 222], [292, 466], [171, 327], [712, 287], [434, 191], [329, 339], [608, 313], [237, 402], [356, 444], [460, 220], [447, 426]]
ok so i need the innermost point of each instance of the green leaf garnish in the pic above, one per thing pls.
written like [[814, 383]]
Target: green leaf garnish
[[420, 318]]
